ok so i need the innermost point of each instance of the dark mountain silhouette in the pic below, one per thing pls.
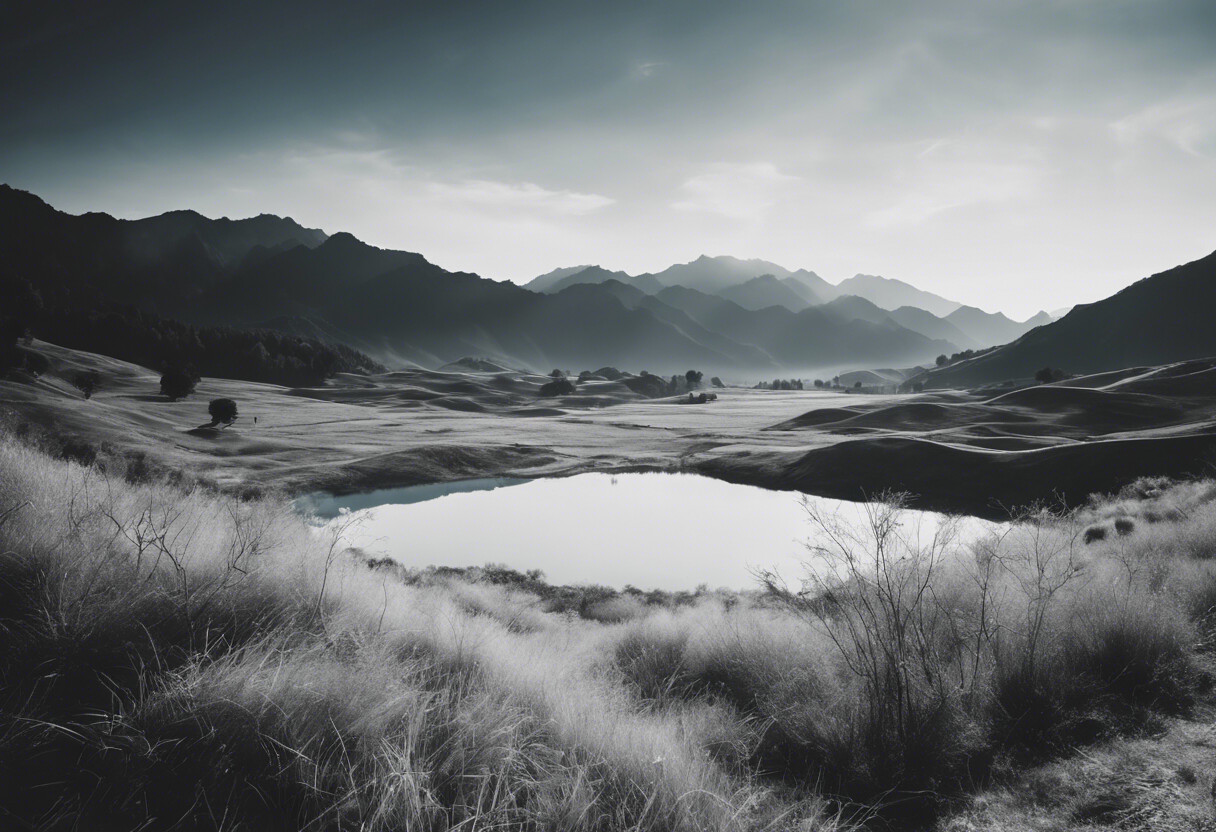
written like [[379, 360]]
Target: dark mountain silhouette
[[767, 290], [162, 263], [888, 293], [1157, 320], [400, 308]]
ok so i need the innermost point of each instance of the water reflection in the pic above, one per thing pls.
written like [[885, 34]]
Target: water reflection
[[666, 531]]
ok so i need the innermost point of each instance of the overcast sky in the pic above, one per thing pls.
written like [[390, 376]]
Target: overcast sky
[[1011, 155]]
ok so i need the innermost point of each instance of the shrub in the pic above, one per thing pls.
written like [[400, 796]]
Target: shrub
[[1094, 534], [557, 387]]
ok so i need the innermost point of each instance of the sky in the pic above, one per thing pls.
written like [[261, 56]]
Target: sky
[[1015, 156]]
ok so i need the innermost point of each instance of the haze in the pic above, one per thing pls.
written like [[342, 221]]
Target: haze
[[1014, 156]]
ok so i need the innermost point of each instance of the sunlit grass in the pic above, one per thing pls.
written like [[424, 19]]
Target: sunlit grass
[[170, 655]]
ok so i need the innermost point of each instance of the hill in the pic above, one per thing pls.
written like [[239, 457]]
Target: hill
[[1160, 319]]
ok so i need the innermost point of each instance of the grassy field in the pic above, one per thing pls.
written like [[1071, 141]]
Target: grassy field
[[174, 657]]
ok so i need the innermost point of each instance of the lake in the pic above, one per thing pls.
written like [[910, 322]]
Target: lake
[[655, 531]]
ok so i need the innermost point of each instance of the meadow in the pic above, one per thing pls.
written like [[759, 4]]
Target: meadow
[[175, 656]]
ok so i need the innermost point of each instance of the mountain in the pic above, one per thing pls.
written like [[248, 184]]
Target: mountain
[[812, 338], [987, 329], [908, 317], [1157, 320], [889, 293], [545, 281], [163, 262], [852, 307], [931, 326], [401, 308], [767, 290], [595, 274], [713, 274], [817, 290]]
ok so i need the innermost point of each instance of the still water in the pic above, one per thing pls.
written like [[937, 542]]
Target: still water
[[664, 531]]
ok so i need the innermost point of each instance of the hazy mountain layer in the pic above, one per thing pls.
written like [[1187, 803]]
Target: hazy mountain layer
[[402, 309]]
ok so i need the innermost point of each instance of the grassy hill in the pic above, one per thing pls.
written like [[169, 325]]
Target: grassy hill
[[171, 656]]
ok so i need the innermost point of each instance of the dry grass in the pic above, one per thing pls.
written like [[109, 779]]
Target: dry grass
[[171, 657]]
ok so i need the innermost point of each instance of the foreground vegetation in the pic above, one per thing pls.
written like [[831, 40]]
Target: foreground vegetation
[[176, 657]]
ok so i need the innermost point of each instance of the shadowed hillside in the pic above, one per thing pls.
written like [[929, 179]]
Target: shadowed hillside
[[1163, 318]]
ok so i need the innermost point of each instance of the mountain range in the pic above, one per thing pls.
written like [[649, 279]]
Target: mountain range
[[718, 313], [759, 284], [400, 308]]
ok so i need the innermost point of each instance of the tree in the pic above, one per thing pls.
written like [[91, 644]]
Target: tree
[[943, 360], [818, 383], [693, 377], [1047, 375], [557, 387], [857, 385], [178, 382], [222, 411], [86, 381], [557, 374]]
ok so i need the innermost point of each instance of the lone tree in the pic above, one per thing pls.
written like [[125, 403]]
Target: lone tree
[[223, 411], [178, 382], [1047, 375], [943, 360], [693, 377], [86, 381]]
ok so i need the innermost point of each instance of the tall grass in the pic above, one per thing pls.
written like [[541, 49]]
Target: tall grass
[[172, 657]]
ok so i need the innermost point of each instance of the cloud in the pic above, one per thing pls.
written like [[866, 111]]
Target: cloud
[[1187, 121], [947, 175], [517, 195], [644, 69], [741, 191]]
